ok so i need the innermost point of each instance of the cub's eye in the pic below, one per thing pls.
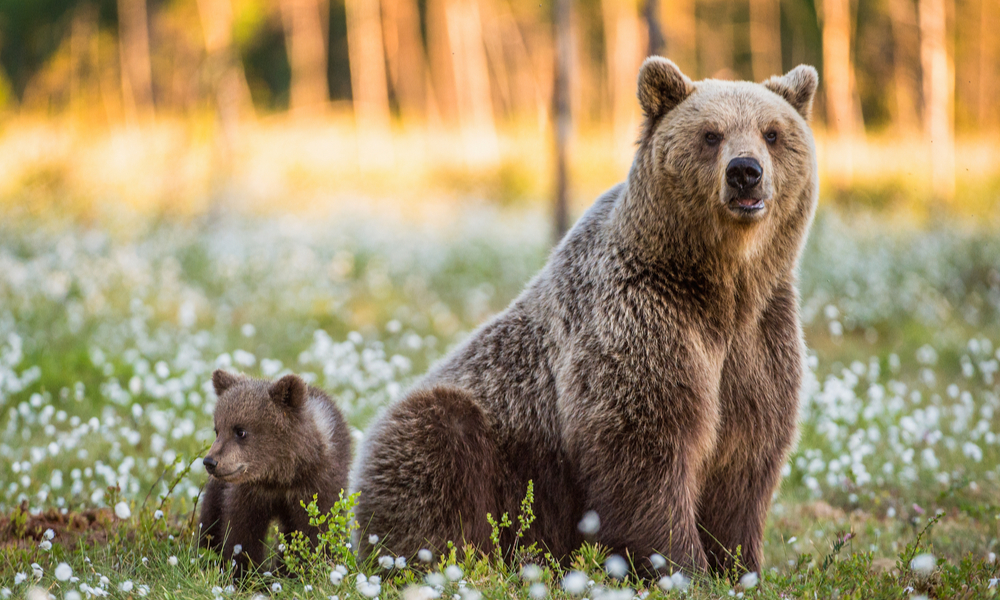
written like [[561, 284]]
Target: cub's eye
[[240, 432], [771, 136], [712, 138]]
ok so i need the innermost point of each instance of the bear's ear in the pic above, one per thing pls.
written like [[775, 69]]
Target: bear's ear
[[798, 87], [223, 380], [289, 391], [662, 86]]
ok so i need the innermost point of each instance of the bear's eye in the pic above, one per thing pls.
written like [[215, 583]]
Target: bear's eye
[[712, 138], [240, 432], [771, 136]]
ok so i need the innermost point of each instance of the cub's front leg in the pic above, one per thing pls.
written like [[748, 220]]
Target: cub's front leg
[[640, 438]]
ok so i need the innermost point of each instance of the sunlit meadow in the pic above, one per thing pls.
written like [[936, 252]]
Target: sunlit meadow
[[107, 343]]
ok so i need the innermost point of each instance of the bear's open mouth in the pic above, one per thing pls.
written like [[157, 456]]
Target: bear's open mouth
[[749, 203]]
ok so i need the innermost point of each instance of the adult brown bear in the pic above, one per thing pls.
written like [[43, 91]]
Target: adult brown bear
[[649, 373]]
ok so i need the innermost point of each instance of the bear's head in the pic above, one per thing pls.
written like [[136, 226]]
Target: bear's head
[[734, 158], [259, 429]]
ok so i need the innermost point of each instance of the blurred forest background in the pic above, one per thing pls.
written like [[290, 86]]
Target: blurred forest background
[[178, 106]]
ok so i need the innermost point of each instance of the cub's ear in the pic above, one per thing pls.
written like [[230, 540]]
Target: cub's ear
[[662, 86], [798, 87], [223, 380], [289, 391]]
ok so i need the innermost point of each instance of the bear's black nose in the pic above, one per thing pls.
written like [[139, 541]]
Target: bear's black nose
[[210, 464], [743, 173]]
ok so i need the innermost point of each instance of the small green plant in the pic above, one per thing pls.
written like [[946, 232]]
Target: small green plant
[[302, 557], [525, 517]]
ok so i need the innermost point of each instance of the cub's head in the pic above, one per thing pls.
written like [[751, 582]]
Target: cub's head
[[735, 154], [256, 428]]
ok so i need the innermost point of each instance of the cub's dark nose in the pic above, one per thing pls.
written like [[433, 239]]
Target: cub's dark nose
[[210, 464], [743, 173]]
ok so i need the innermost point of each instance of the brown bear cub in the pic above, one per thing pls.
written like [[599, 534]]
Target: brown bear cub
[[277, 444], [650, 373]]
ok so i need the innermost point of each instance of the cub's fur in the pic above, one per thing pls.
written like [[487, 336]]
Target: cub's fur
[[277, 445], [649, 373]]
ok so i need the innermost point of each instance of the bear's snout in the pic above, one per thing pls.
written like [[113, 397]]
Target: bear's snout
[[743, 173], [210, 464]]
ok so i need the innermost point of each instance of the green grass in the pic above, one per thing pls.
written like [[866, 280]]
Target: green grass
[[107, 344]]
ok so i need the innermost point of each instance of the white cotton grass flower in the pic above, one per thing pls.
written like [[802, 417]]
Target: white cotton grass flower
[[749, 580], [453, 572], [307, 588], [991, 557], [158, 515], [590, 523], [19, 578], [126, 586], [436, 580], [368, 587], [172, 561], [680, 581], [425, 555], [616, 566], [237, 549], [143, 590], [575, 583], [666, 583], [420, 592], [6, 593], [37, 593], [36, 570], [276, 587], [122, 511], [386, 562], [373, 539], [657, 561], [400, 562], [73, 595], [336, 577], [531, 572], [45, 545], [63, 572], [538, 590], [49, 534], [993, 583], [923, 564]]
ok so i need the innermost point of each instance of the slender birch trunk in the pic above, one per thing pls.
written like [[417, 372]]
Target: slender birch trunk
[[939, 95], [765, 38], [306, 54], [136, 70]]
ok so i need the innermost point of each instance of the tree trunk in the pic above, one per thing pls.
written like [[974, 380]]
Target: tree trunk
[[654, 32], [307, 55], [404, 48], [625, 44], [439, 51], [136, 72], [837, 68], [989, 26], [838, 76], [939, 95], [368, 81], [765, 38], [225, 71], [562, 20], [905, 41], [472, 82], [679, 27]]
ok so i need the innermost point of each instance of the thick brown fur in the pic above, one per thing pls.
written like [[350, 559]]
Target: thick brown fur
[[277, 444], [649, 373]]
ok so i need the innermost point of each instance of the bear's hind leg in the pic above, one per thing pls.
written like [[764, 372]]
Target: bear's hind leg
[[428, 475]]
